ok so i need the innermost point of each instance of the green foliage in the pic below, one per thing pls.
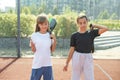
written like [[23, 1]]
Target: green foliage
[[33, 9], [42, 8], [8, 25], [111, 24], [27, 25], [67, 10], [103, 15], [113, 16], [11, 11], [55, 10], [25, 10], [65, 27], [66, 24]]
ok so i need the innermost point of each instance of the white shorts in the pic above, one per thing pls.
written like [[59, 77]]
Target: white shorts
[[82, 66]]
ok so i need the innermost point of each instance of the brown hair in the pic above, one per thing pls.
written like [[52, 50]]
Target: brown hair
[[81, 17], [40, 20]]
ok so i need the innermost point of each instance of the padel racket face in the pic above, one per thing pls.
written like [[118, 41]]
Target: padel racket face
[[52, 24]]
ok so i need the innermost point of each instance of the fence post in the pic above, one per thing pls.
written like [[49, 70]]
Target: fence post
[[18, 29]]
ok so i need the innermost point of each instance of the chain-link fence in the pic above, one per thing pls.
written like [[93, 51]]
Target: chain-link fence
[[61, 49], [8, 47]]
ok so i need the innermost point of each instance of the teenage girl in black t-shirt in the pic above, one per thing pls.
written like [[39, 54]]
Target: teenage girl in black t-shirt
[[81, 48]]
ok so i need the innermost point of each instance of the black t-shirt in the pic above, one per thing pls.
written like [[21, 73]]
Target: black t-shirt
[[83, 42]]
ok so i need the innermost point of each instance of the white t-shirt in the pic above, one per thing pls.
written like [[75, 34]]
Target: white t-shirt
[[42, 56]]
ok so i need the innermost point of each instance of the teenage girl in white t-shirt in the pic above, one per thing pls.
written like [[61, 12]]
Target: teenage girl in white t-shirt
[[42, 44]]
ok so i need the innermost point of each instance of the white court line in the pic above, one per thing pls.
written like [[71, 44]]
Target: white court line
[[110, 78]]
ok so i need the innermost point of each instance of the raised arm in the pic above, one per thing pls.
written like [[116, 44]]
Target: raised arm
[[101, 28]]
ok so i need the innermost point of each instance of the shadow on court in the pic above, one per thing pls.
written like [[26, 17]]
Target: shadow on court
[[4, 65]]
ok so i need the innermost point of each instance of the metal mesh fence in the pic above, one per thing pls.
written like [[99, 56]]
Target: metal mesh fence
[[8, 47], [61, 49]]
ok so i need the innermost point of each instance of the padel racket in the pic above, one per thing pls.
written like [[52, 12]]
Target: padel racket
[[52, 24]]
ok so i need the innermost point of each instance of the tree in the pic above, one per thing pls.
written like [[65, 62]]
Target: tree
[[25, 10], [103, 15], [113, 16], [42, 8], [55, 10], [33, 9], [8, 25], [67, 10], [11, 11]]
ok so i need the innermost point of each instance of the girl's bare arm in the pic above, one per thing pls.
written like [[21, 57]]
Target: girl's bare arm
[[32, 45], [71, 51]]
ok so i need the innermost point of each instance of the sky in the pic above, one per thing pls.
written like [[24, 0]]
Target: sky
[[7, 3]]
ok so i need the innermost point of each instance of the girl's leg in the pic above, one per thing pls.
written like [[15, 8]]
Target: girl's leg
[[48, 74], [77, 66], [36, 74], [34, 71], [88, 67]]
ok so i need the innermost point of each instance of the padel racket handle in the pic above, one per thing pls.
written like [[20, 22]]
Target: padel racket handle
[[50, 34], [91, 27]]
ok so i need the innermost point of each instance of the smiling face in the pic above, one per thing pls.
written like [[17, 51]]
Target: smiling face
[[82, 22], [44, 26]]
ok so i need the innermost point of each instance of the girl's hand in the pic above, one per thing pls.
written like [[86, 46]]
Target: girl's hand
[[65, 67], [32, 46], [53, 46], [52, 37]]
